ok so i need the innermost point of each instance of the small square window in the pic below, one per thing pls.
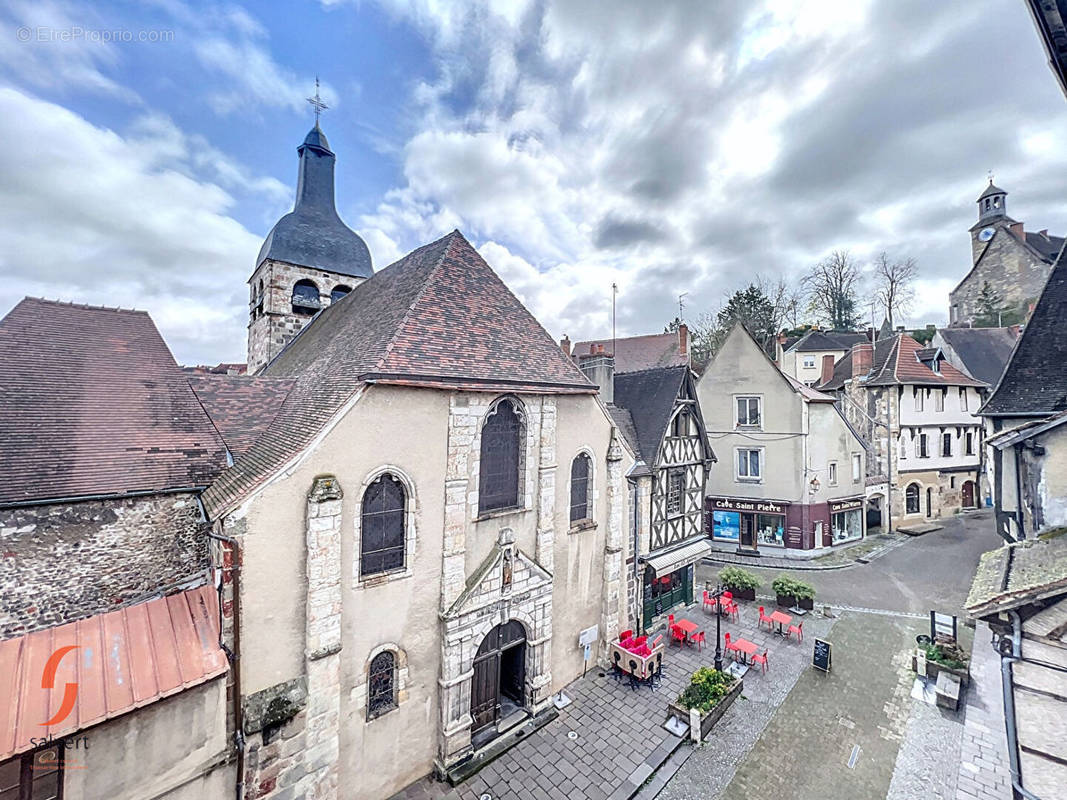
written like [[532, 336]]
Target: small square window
[[749, 467], [748, 412], [809, 362]]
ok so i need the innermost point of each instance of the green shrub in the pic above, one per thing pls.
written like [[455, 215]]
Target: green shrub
[[706, 688], [798, 590], [946, 654], [736, 579]]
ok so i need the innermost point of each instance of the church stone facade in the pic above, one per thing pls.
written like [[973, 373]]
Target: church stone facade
[[1009, 263]]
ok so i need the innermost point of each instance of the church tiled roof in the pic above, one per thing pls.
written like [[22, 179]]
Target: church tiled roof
[[93, 403], [636, 353], [1035, 380], [240, 406], [439, 317]]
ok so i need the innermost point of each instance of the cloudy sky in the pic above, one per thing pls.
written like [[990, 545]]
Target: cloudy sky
[[666, 146]]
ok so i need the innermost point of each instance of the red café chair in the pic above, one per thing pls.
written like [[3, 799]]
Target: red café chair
[[709, 601], [731, 647], [700, 639], [764, 618], [677, 635], [733, 611], [798, 630], [625, 635], [761, 660], [670, 620], [640, 640], [657, 641], [728, 595]]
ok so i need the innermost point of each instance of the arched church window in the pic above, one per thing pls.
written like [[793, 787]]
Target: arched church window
[[382, 528], [339, 291], [581, 471], [306, 297], [499, 478], [381, 684]]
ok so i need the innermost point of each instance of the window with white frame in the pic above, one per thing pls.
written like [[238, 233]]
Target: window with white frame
[[749, 468], [946, 445], [857, 467], [969, 440], [922, 451], [832, 473], [918, 399], [748, 412], [809, 362], [939, 401], [902, 448], [963, 399]]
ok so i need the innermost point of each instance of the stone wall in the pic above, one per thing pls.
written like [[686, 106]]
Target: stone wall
[[69, 561], [1011, 269], [272, 325]]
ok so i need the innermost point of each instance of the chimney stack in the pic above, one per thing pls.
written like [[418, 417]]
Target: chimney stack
[[862, 358], [599, 368], [1017, 229], [683, 339], [565, 345], [1043, 234], [827, 368]]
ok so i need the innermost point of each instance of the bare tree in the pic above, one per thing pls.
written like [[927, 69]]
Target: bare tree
[[831, 287], [894, 284]]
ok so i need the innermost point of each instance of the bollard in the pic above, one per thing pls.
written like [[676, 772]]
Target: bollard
[[694, 725]]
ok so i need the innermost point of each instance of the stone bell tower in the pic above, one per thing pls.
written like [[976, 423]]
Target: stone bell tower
[[309, 260]]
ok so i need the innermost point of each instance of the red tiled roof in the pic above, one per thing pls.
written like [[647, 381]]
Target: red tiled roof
[[124, 660], [909, 369], [92, 402], [242, 407], [638, 353], [437, 318]]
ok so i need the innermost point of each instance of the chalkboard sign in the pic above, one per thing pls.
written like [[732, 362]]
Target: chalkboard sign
[[820, 659]]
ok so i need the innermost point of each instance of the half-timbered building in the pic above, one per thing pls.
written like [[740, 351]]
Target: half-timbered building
[[656, 409]]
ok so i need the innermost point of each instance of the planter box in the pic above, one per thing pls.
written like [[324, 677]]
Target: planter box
[[933, 669], [788, 601], [743, 594], [707, 721]]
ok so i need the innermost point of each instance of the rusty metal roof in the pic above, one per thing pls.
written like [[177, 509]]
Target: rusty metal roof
[[124, 660]]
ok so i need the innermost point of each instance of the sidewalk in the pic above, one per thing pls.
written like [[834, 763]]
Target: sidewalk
[[984, 771], [862, 552], [619, 739]]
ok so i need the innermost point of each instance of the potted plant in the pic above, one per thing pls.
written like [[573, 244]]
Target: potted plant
[[792, 592], [945, 657], [710, 692], [741, 583]]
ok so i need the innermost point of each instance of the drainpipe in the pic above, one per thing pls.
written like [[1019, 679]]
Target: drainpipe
[[234, 656], [1020, 517], [1009, 705], [638, 585]]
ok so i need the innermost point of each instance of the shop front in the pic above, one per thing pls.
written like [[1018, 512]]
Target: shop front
[[847, 522], [749, 524], [668, 579]]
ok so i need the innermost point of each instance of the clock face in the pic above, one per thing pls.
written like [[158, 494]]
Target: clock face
[[985, 234]]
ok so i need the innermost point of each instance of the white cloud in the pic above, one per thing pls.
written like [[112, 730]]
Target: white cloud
[[90, 215]]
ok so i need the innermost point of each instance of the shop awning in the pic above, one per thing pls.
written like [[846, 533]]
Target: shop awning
[[117, 661], [663, 563]]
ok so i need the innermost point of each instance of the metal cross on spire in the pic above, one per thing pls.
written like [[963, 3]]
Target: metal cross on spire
[[316, 102]]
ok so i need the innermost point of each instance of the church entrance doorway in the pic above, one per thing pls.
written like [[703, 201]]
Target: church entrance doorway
[[499, 681]]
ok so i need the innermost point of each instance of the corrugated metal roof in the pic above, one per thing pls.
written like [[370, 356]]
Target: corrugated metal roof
[[124, 659]]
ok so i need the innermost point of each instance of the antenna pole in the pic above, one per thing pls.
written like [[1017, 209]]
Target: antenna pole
[[614, 292]]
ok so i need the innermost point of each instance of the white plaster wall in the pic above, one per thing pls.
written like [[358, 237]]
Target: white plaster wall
[[1052, 487], [831, 439], [740, 368], [813, 374], [953, 414], [171, 749]]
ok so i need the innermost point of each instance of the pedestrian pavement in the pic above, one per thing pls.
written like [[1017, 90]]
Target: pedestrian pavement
[[984, 773], [842, 557], [619, 741]]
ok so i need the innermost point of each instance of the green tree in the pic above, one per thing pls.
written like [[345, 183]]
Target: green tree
[[990, 307]]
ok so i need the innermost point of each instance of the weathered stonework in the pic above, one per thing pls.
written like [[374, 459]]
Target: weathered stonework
[[272, 323], [69, 561], [614, 544]]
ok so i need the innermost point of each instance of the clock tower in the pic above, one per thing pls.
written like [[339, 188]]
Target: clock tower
[[992, 213]]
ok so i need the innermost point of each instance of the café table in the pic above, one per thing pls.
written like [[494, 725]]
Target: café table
[[782, 619], [746, 648], [687, 627]]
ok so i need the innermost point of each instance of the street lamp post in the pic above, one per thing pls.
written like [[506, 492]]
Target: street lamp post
[[717, 594]]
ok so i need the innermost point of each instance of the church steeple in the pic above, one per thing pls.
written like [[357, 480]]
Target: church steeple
[[992, 203]]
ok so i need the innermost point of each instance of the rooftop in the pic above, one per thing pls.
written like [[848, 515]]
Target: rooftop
[[1017, 574], [637, 353]]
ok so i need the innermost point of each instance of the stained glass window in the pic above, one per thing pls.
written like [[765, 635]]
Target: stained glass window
[[502, 434], [382, 534], [581, 469], [381, 684]]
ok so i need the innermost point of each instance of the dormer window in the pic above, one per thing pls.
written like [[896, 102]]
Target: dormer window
[[306, 298]]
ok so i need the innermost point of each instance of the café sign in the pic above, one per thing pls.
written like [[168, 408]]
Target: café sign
[[845, 505], [757, 506]]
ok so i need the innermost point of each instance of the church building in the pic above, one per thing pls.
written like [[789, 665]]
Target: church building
[[434, 512], [1009, 267]]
